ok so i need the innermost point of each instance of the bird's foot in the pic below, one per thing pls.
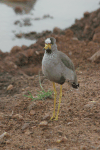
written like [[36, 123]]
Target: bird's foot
[[53, 117], [56, 119]]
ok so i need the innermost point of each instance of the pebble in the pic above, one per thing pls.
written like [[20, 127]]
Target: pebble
[[17, 116], [31, 106], [26, 125], [10, 87], [70, 123], [63, 139], [1, 116], [28, 132], [90, 104], [46, 117], [83, 148], [5, 134], [43, 124], [32, 112], [8, 142]]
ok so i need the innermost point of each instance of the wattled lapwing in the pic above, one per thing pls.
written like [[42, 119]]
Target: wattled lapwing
[[57, 67]]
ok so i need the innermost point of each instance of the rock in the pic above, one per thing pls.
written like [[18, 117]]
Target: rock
[[30, 52], [46, 117], [87, 29], [43, 124], [9, 64], [24, 47], [95, 57], [8, 142], [18, 9], [90, 105], [18, 116], [70, 123], [10, 87], [69, 33], [1, 116], [17, 22], [84, 148], [5, 134], [27, 22], [86, 14], [32, 112], [97, 29], [15, 50], [75, 39], [96, 37], [63, 139], [25, 126], [28, 132], [21, 59], [31, 106], [19, 35], [57, 30]]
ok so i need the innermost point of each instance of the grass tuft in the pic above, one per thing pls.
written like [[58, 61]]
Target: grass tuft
[[41, 94]]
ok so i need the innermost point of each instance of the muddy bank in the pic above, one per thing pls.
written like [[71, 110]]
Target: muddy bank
[[28, 59]]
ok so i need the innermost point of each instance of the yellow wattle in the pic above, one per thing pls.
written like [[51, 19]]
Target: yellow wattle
[[47, 46]]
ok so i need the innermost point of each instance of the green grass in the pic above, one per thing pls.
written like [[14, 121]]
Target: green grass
[[41, 94]]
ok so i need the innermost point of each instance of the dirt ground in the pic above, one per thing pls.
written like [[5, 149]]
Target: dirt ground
[[78, 126]]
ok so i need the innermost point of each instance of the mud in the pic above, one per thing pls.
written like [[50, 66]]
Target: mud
[[78, 127]]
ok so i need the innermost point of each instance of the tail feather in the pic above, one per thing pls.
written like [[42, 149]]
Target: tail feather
[[74, 85]]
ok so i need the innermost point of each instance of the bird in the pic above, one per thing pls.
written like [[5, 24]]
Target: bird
[[58, 68]]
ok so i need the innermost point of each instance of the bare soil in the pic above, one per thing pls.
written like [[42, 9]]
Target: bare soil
[[78, 126]]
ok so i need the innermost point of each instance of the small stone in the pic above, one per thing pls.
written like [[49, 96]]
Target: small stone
[[1, 116], [46, 117], [32, 112], [26, 125], [56, 30], [31, 106], [64, 139], [43, 124], [70, 123], [95, 57], [75, 39], [90, 104], [15, 50], [96, 37], [86, 14], [84, 148], [5, 134], [27, 132], [18, 9], [37, 52], [18, 116], [10, 87], [8, 142], [19, 35]]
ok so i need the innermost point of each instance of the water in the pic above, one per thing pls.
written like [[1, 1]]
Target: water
[[64, 13]]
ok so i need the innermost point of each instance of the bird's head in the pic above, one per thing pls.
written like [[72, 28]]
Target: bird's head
[[50, 44]]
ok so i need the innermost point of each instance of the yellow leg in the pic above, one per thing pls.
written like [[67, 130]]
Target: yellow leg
[[55, 94], [59, 102]]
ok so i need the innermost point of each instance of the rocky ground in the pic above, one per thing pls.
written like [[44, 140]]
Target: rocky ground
[[25, 124]]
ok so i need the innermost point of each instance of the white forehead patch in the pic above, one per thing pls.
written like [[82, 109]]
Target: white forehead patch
[[47, 41]]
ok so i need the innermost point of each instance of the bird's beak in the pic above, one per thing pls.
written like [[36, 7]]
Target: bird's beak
[[47, 46]]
